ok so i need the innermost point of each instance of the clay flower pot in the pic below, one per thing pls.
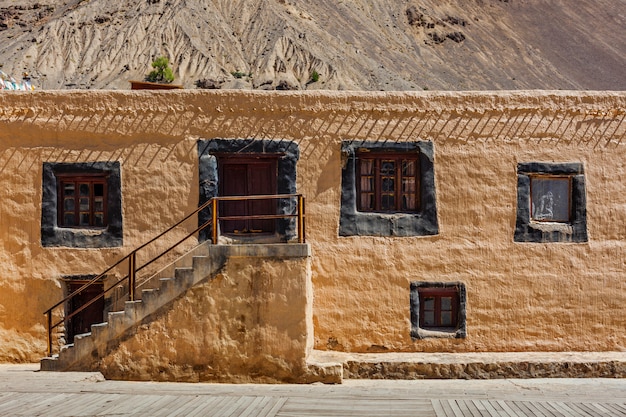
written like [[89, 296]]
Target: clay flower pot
[[147, 85]]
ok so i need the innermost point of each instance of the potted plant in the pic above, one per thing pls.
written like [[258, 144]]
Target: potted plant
[[160, 78]]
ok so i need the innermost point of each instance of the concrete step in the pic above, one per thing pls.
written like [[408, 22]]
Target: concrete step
[[480, 365]]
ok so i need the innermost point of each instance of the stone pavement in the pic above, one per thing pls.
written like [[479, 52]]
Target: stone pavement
[[25, 391]]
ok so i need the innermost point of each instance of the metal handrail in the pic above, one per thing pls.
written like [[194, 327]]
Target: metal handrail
[[132, 257]]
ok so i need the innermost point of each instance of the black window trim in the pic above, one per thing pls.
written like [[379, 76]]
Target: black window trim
[[287, 153], [52, 235], [353, 222], [458, 332], [533, 231]]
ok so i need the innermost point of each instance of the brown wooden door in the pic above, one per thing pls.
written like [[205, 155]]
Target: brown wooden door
[[81, 323], [247, 176]]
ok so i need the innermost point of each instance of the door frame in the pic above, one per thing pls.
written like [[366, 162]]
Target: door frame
[[288, 153], [250, 207], [71, 285]]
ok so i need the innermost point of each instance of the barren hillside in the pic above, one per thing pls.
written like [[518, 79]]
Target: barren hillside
[[351, 44]]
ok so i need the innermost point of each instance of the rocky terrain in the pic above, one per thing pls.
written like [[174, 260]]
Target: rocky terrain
[[323, 44]]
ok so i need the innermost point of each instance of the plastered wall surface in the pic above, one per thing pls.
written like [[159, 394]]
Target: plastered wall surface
[[520, 296], [247, 324]]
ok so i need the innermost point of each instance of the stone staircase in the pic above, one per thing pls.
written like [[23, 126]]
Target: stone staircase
[[229, 296], [198, 265]]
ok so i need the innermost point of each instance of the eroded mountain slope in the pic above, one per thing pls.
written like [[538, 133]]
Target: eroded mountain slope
[[351, 44]]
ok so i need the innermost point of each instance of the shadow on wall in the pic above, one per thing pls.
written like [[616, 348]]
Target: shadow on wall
[[170, 123]]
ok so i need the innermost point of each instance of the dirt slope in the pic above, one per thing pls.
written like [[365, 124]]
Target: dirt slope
[[352, 44]]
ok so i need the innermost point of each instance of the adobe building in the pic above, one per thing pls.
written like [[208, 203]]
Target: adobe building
[[404, 222]]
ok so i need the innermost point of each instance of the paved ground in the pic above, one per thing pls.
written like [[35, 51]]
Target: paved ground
[[24, 391]]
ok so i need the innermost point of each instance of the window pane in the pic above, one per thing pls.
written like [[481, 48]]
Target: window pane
[[68, 219], [367, 183], [84, 219], [367, 166], [84, 189], [428, 318], [408, 185], [388, 202], [408, 168], [98, 190], [68, 204], [446, 318], [82, 201], [408, 202], [446, 303], [389, 184], [550, 199], [428, 303], [367, 201], [388, 168], [68, 189]]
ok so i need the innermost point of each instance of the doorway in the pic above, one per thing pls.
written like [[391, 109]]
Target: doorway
[[248, 175], [94, 313]]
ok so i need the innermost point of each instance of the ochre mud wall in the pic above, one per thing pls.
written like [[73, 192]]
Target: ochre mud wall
[[520, 296], [247, 324]]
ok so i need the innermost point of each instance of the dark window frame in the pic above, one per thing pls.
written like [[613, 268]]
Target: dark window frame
[[78, 179], [52, 232], [421, 222], [379, 177], [437, 294], [529, 229], [533, 203], [421, 331], [288, 154]]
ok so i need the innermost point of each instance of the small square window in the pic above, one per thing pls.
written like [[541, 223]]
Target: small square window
[[387, 183], [438, 310], [87, 209], [550, 198], [81, 205], [551, 203]]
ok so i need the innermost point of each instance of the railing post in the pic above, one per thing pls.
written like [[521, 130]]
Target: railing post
[[132, 268], [214, 221], [301, 237], [49, 333]]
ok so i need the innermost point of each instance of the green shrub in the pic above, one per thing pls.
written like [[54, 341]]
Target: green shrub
[[162, 73], [315, 76]]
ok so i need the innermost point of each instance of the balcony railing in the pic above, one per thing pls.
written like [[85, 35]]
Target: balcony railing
[[131, 259]]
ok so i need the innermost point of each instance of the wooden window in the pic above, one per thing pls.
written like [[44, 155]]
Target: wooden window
[[388, 182], [551, 198], [551, 203], [82, 201], [438, 308]]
